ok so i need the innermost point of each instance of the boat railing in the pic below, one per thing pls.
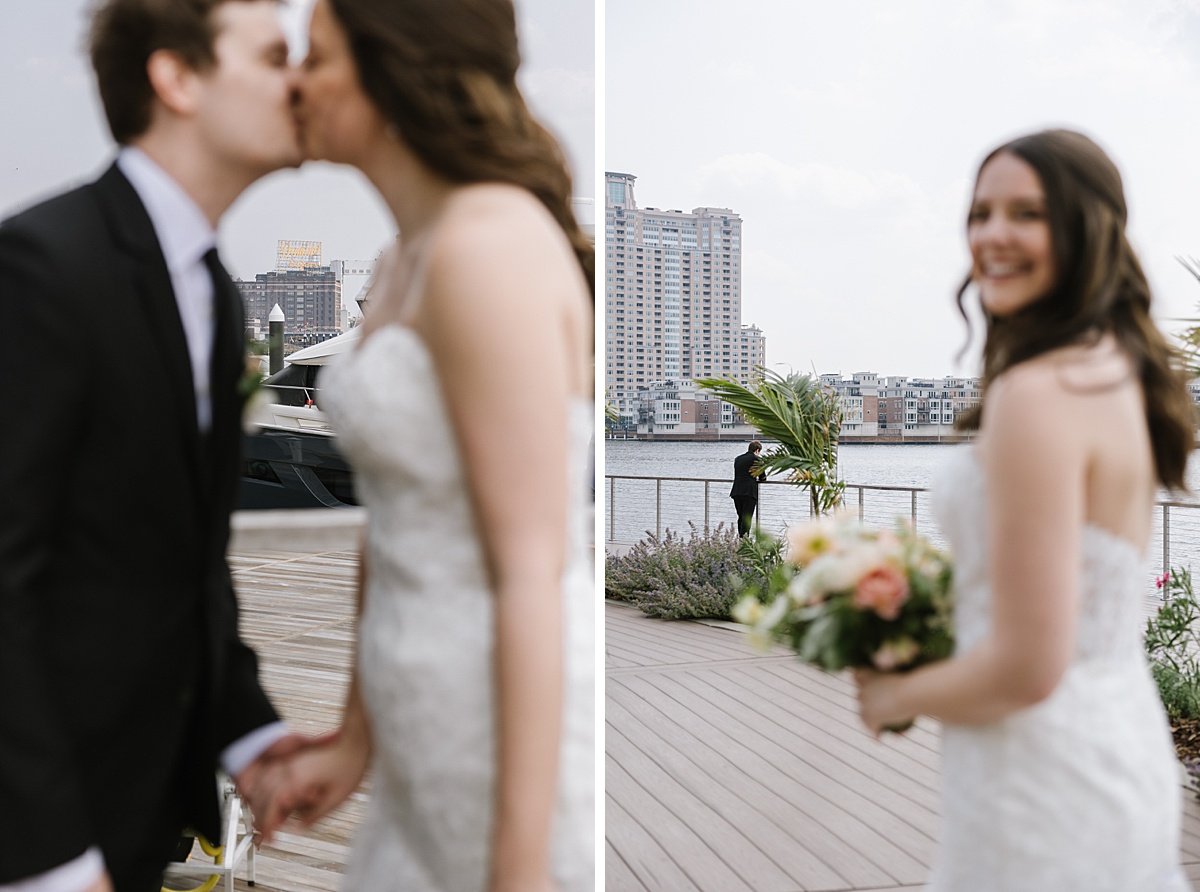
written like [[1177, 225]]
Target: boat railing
[[637, 506]]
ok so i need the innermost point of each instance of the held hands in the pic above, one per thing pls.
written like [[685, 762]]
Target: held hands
[[308, 776], [878, 701]]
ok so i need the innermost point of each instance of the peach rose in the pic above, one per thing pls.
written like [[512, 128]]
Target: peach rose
[[883, 589]]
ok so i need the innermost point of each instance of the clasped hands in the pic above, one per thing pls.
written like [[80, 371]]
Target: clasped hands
[[302, 776]]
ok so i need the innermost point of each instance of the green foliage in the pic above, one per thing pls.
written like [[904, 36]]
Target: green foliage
[[804, 418], [677, 577], [1173, 645], [766, 571]]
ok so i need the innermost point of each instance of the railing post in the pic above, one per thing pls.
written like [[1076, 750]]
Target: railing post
[[706, 507], [1166, 540], [612, 509], [658, 507], [860, 504], [914, 508]]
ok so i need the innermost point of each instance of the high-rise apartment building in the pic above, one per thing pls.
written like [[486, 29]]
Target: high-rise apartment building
[[672, 297]]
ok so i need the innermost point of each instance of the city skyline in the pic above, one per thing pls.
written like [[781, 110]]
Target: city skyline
[[55, 133], [847, 136]]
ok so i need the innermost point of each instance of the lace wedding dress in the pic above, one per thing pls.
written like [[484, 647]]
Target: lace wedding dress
[[425, 636], [1081, 791]]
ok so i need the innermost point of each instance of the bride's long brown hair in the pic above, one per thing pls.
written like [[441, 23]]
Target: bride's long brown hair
[[443, 73], [1100, 289]]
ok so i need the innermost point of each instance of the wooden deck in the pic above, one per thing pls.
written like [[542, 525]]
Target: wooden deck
[[728, 770], [297, 611]]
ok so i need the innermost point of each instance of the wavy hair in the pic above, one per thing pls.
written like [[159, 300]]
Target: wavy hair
[[443, 72], [1100, 289]]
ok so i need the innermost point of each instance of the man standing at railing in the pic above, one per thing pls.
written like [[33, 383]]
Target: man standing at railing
[[745, 487]]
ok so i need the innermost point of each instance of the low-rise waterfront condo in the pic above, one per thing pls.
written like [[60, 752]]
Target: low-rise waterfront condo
[[898, 409]]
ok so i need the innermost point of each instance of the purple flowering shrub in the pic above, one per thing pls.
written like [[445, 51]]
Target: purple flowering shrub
[[680, 577]]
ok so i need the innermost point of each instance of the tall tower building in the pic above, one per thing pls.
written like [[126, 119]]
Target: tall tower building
[[672, 296]]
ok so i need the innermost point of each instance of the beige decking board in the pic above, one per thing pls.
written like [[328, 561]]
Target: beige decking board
[[654, 639], [835, 694], [617, 873], [760, 741], [800, 775], [831, 770], [712, 770], [648, 648], [690, 844], [838, 731], [297, 611], [641, 858]]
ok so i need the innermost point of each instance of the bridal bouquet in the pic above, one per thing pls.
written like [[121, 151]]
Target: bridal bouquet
[[849, 596]]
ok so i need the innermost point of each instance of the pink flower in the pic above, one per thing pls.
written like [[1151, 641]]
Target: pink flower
[[1160, 581], [883, 589]]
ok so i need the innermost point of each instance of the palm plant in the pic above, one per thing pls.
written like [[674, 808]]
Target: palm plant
[[805, 420]]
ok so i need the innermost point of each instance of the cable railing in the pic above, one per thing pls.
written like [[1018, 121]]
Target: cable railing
[[635, 507]]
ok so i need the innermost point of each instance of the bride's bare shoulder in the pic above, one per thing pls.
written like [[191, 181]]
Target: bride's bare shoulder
[[496, 205], [1069, 373]]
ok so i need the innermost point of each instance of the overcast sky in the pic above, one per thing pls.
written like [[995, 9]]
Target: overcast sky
[[847, 135], [53, 130]]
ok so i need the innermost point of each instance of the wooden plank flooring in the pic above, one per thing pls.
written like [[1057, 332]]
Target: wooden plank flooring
[[297, 611], [727, 769]]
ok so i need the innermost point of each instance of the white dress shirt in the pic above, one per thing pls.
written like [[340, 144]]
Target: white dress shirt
[[184, 236]]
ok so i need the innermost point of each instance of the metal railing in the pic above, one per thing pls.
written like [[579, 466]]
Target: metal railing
[[677, 503]]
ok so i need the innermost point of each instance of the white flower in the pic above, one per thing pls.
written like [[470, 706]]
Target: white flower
[[257, 410], [840, 572], [811, 540], [749, 610]]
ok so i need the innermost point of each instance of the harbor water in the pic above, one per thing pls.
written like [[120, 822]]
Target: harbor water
[[653, 506]]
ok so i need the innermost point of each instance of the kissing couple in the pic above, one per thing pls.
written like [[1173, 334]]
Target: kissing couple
[[472, 693]]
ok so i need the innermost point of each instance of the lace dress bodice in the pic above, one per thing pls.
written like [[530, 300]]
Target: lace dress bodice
[[1109, 620], [426, 633], [1082, 790]]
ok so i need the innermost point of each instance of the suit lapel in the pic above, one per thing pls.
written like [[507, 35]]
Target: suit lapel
[[148, 275]]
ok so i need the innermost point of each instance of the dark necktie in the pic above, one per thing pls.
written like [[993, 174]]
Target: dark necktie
[[223, 346]]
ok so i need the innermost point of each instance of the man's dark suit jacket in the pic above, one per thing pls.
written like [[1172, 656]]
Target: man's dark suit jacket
[[744, 483], [124, 675]]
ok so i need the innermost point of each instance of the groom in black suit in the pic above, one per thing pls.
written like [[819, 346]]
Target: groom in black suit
[[126, 683], [745, 487]]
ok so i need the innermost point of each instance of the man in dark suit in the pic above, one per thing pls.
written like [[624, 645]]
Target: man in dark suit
[[127, 683], [745, 487]]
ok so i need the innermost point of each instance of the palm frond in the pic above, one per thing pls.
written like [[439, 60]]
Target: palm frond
[[802, 417]]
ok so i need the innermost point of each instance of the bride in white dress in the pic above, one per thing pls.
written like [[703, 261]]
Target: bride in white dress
[[1058, 767], [465, 410]]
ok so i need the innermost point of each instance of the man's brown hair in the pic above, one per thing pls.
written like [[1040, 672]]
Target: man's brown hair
[[124, 34]]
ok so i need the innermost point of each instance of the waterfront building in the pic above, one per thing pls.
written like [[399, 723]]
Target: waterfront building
[[916, 410], [672, 299], [308, 291], [681, 410], [859, 398]]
